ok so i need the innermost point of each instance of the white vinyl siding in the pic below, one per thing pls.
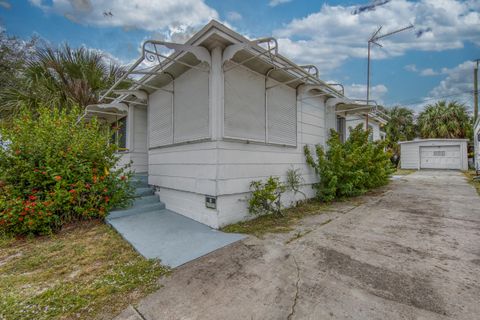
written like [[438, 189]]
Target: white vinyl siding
[[244, 105], [281, 114], [191, 106], [160, 118]]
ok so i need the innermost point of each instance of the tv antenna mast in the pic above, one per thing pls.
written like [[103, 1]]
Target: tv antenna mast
[[373, 40]]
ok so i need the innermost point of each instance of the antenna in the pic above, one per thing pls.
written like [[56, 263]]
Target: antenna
[[373, 39]]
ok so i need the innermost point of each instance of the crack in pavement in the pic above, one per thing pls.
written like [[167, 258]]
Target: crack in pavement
[[295, 299]]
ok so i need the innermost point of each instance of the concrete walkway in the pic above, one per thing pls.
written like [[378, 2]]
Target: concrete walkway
[[170, 237], [408, 251]]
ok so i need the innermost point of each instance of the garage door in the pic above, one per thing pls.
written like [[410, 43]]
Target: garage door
[[440, 157]]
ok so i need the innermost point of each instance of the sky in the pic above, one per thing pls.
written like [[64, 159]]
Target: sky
[[431, 61]]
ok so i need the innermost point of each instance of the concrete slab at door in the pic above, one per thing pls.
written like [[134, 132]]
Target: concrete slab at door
[[171, 237]]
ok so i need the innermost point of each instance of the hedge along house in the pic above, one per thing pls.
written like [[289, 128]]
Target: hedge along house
[[207, 117]]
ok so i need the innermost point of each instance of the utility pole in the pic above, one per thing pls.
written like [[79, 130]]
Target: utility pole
[[475, 91], [373, 39]]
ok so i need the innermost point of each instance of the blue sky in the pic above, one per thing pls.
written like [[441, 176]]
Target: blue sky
[[411, 69]]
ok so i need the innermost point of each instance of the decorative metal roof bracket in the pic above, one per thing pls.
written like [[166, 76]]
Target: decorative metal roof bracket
[[230, 51]]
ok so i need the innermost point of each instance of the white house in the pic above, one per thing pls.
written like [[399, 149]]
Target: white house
[[373, 121], [207, 117]]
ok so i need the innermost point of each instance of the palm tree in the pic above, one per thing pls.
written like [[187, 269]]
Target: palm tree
[[442, 120], [62, 77], [400, 127]]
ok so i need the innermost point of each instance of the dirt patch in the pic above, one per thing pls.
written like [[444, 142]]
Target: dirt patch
[[384, 283]]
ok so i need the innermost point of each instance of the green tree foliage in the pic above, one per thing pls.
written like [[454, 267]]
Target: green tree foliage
[[400, 127], [61, 76], [444, 120], [350, 168], [54, 170], [14, 54]]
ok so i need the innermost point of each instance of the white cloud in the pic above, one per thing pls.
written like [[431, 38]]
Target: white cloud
[[274, 3], [359, 91], [429, 72], [457, 85], [234, 16], [411, 68], [140, 14], [334, 34], [5, 4]]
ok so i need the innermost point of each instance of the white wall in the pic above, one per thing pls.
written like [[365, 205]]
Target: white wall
[[410, 151], [186, 173], [136, 140], [239, 163], [354, 120]]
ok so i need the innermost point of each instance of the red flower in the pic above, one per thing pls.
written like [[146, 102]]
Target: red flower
[[105, 190], [33, 198], [123, 178], [20, 219], [36, 170], [17, 152], [58, 178], [72, 191], [107, 199], [87, 185]]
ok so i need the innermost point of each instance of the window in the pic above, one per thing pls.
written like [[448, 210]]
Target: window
[[255, 113], [180, 116], [244, 105], [370, 135], [119, 137], [439, 153], [341, 128]]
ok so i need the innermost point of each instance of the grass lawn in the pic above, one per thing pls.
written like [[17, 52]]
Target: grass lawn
[[86, 271], [276, 224], [470, 174]]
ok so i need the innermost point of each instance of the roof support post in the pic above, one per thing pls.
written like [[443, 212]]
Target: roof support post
[[216, 103]]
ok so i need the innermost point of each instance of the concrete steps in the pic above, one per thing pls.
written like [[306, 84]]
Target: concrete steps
[[145, 200]]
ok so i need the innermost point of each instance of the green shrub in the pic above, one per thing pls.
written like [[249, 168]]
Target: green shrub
[[294, 181], [266, 196], [54, 171], [350, 168]]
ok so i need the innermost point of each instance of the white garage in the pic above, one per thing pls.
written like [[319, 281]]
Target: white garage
[[434, 154]]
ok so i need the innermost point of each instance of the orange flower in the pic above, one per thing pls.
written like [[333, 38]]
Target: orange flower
[[58, 178], [72, 191], [123, 178], [32, 198], [20, 219]]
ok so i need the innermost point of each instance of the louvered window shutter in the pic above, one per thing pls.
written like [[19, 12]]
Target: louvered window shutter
[[160, 118], [244, 105], [281, 114], [191, 106]]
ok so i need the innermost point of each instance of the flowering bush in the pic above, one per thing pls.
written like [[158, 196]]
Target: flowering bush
[[54, 170]]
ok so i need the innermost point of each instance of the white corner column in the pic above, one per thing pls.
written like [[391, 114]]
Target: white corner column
[[216, 95]]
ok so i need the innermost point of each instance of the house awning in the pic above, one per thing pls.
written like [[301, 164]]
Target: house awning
[[106, 112]]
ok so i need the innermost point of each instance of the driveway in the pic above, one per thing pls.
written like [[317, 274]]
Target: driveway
[[409, 251]]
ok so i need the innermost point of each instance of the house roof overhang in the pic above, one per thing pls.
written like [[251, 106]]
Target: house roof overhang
[[161, 62]]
